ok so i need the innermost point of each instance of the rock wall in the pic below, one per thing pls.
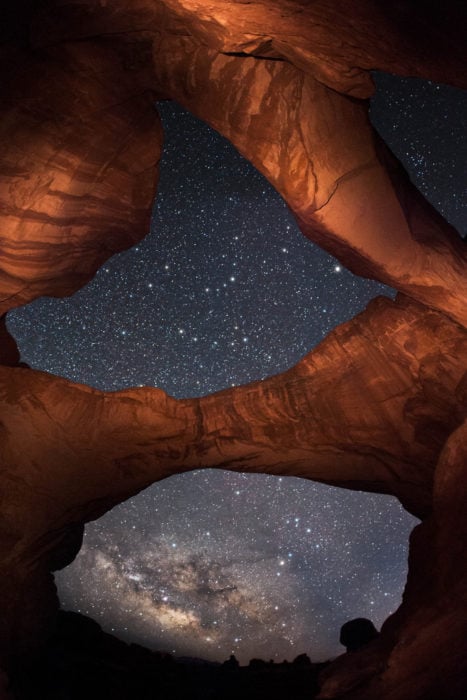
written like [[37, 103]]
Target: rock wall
[[80, 142], [422, 650]]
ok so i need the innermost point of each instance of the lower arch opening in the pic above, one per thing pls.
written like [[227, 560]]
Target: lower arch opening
[[212, 563]]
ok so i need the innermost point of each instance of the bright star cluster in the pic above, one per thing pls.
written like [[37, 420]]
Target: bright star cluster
[[223, 291]]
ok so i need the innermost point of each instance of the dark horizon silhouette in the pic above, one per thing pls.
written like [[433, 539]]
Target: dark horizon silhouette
[[80, 661]]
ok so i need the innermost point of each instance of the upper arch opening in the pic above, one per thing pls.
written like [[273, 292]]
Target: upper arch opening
[[224, 290]]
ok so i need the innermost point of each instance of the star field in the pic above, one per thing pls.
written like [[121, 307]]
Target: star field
[[424, 124], [223, 291], [204, 302], [213, 563]]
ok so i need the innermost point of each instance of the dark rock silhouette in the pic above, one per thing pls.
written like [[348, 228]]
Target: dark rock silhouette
[[302, 660], [80, 661], [357, 633], [231, 664], [9, 353]]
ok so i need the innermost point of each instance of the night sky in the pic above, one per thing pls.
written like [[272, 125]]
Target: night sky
[[223, 291]]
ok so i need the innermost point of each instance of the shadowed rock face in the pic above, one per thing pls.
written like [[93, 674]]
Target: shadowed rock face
[[377, 406], [9, 353], [79, 147], [357, 633], [421, 652]]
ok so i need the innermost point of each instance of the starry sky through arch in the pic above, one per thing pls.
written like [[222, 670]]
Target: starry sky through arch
[[212, 562]]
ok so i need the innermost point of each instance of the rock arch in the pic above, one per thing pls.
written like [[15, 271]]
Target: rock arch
[[287, 83]]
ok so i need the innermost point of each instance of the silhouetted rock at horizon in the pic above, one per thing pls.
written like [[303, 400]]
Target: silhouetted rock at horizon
[[302, 660], [231, 664], [81, 661], [357, 633]]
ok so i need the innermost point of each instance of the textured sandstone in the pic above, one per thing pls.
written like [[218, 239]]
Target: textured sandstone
[[278, 78], [317, 147], [337, 42], [423, 650], [79, 150]]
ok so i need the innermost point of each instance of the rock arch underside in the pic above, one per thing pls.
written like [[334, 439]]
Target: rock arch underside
[[380, 405]]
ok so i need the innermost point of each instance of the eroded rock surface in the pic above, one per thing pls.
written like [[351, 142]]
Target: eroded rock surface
[[79, 145], [422, 651], [319, 150], [284, 80]]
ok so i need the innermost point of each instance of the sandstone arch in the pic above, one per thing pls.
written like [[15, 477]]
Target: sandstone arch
[[80, 142]]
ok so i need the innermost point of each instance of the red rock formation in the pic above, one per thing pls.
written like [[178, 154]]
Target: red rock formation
[[9, 353], [79, 149], [337, 42], [317, 147], [78, 167], [422, 653], [371, 408]]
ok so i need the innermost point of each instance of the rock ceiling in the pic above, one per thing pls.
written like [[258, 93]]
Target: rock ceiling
[[380, 405]]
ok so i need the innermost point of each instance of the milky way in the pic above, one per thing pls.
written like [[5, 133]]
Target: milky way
[[226, 290]]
